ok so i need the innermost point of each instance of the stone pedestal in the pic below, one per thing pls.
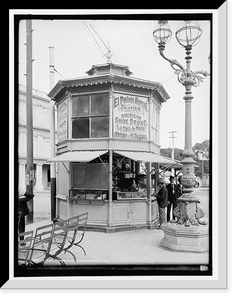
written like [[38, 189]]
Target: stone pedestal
[[188, 233], [189, 239]]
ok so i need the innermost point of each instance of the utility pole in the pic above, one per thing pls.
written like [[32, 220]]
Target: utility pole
[[29, 119], [52, 137], [173, 137]]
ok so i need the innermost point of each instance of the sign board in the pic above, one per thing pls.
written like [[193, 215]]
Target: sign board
[[131, 116], [62, 121]]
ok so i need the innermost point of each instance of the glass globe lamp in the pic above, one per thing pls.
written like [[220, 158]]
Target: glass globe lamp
[[188, 33], [162, 33]]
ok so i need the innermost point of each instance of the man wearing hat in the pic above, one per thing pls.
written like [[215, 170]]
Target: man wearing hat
[[162, 200], [173, 195]]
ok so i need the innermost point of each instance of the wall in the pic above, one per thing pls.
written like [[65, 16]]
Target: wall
[[41, 136], [41, 126]]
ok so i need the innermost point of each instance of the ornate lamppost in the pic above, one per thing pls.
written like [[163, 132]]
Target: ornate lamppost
[[188, 212]]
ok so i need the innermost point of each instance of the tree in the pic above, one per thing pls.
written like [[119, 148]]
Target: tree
[[202, 158], [204, 146], [178, 153]]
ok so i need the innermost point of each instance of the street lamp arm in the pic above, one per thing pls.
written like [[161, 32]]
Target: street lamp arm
[[173, 62], [190, 78], [203, 73], [198, 77]]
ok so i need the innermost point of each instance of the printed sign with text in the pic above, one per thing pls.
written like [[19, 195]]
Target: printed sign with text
[[131, 115]]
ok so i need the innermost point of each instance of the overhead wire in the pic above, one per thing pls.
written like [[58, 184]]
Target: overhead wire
[[103, 52], [58, 73], [102, 41], [115, 46], [95, 42], [169, 79], [100, 37], [201, 53], [106, 37]]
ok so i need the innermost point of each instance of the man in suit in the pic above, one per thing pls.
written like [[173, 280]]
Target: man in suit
[[173, 195], [162, 200]]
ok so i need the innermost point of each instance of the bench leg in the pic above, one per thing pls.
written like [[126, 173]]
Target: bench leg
[[71, 254], [58, 259], [81, 248]]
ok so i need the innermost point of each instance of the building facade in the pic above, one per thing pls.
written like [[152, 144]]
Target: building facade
[[41, 139]]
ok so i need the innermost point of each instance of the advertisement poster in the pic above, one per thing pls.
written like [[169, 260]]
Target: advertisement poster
[[131, 115], [62, 121]]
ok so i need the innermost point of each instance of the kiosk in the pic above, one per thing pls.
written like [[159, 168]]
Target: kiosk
[[108, 127]]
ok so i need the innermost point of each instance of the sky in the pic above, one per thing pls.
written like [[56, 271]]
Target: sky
[[131, 43]]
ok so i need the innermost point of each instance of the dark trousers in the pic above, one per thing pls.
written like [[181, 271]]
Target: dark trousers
[[172, 206], [22, 226]]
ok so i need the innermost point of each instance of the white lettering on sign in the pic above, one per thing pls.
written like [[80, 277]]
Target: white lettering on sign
[[131, 115]]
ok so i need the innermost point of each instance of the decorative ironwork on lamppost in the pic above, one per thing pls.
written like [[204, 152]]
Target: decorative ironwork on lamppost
[[188, 35]]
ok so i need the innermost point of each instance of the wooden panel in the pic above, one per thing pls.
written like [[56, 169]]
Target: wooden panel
[[121, 214], [63, 209], [96, 143], [97, 214], [138, 213], [63, 179], [129, 213]]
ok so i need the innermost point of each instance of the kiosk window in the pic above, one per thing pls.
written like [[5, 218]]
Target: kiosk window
[[99, 127], [90, 116], [80, 106], [80, 128], [99, 104]]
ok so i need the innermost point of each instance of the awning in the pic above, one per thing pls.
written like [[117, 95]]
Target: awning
[[175, 165], [78, 156], [86, 156], [146, 157]]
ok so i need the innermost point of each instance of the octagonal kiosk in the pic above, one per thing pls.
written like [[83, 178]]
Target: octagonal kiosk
[[108, 127]]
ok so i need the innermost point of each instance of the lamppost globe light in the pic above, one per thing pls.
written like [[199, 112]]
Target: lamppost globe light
[[188, 33], [187, 211], [162, 33]]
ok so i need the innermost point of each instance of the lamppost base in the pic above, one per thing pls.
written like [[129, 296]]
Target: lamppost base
[[185, 239]]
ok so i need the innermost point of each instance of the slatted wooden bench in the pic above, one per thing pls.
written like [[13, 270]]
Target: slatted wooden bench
[[24, 247], [54, 239], [76, 231], [48, 243]]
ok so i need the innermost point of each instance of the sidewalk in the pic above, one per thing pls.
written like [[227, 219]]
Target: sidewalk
[[42, 206], [130, 247]]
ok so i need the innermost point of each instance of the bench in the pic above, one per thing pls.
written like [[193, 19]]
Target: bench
[[76, 231], [46, 243], [56, 238], [24, 247]]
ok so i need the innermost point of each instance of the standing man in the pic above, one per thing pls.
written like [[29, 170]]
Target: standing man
[[23, 208], [162, 200], [172, 198]]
